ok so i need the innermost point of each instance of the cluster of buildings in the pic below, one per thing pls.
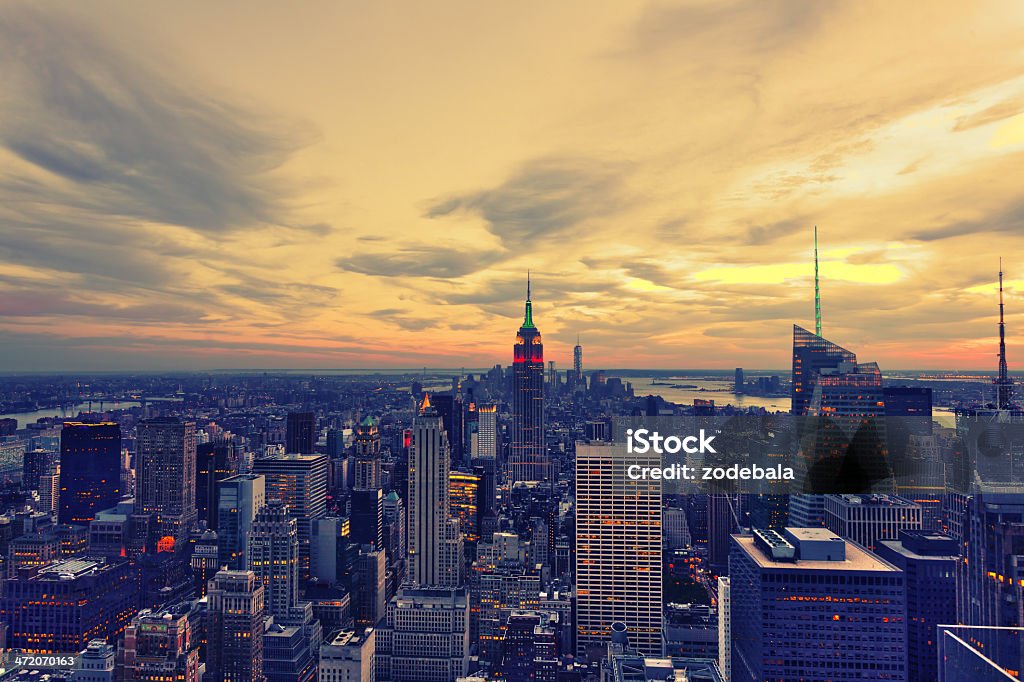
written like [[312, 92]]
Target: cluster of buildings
[[487, 529]]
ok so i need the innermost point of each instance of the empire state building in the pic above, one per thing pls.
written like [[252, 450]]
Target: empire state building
[[528, 459]]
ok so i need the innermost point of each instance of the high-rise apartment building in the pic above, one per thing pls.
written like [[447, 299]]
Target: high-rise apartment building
[[618, 549]]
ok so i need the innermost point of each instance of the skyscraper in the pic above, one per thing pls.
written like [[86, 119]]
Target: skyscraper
[[435, 544], [90, 464], [213, 464], [577, 362], [618, 549], [273, 556], [528, 457], [300, 433], [299, 481], [991, 572], [235, 649], [486, 432], [165, 477], [867, 519], [811, 355], [928, 560], [811, 606], [238, 500], [367, 455]]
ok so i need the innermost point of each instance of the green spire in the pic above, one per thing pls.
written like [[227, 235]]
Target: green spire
[[528, 320], [817, 292]]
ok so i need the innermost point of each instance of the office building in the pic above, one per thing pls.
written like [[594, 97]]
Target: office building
[[300, 433], [928, 561], [273, 556], [287, 655], [61, 607], [425, 636], [866, 519], [165, 478], [991, 573], [367, 450], [725, 628], [35, 464], [528, 460], [465, 489], [214, 463], [811, 355], [235, 633], [975, 653], [299, 481], [95, 663], [796, 596], [238, 499], [160, 646], [90, 462], [349, 656], [486, 437], [618, 565], [529, 649], [435, 543]]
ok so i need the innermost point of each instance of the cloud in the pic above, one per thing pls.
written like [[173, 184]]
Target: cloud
[[420, 261], [544, 199], [102, 130]]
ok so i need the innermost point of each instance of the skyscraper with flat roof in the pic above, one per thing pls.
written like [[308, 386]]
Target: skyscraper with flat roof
[[235, 649], [300, 433], [90, 465], [299, 481], [808, 605], [238, 500], [165, 478], [618, 549], [273, 555], [928, 560]]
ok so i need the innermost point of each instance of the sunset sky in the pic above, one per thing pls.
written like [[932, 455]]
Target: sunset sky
[[197, 185]]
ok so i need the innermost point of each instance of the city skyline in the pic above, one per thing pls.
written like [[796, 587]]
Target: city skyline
[[367, 195]]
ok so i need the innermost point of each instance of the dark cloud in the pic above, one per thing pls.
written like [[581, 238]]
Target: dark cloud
[[543, 199], [420, 261], [126, 140], [1009, 220]]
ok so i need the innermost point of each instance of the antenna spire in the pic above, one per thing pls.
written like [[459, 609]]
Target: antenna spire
[[528, 318], [817, 290], [1004, 386]]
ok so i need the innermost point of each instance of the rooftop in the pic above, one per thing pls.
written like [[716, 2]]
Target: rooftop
[[857, 559]]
